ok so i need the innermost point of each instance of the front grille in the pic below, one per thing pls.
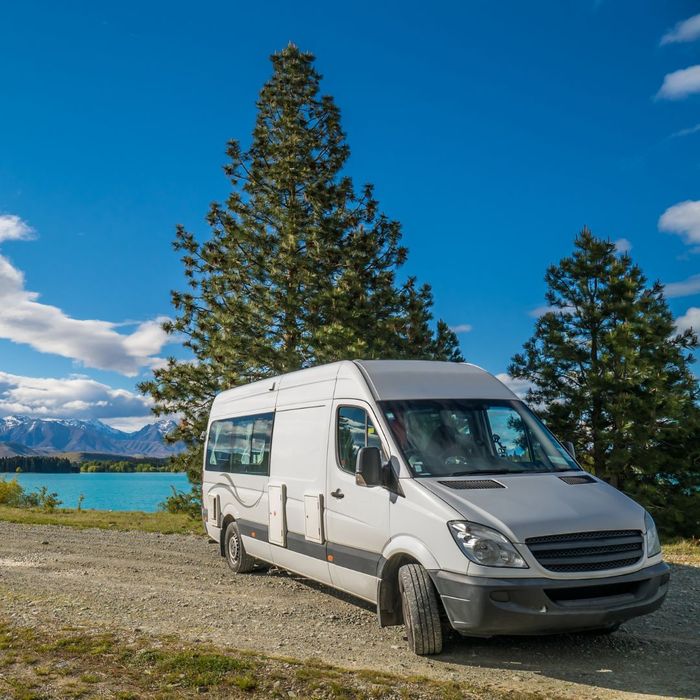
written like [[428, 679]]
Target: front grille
[[473, 484], [588, 551]]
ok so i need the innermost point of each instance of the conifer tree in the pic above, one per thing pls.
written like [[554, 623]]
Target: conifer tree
[[299, 268], [610, 372]]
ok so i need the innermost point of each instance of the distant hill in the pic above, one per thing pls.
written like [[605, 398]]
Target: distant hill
[[20, 435], [14, 449]]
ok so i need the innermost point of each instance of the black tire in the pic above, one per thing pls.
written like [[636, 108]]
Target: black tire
[[421, 610], [239, 561]]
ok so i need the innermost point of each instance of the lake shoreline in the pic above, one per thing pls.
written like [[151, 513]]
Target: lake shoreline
[[106, 491]]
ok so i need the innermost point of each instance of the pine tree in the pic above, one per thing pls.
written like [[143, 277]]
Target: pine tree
[[299, 269], [610, 372]]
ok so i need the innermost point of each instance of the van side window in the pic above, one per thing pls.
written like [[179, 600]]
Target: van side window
[[240, 445], [355, 430]]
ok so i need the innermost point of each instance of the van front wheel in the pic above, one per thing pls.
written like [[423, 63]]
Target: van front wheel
[[421, 610], [238, 559]]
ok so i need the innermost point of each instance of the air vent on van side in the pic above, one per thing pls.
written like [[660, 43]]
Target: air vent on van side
[[473, 484], [573, 480]]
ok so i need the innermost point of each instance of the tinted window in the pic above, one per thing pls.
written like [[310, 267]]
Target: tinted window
[[240, 445], [355, 430]]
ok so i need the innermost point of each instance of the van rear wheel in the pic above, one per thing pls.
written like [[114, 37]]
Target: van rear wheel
[[238, 559], [421, 610]]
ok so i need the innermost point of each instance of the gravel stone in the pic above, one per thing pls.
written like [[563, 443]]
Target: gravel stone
[[158, 584]]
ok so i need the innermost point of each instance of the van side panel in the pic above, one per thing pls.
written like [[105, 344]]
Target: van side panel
[[242, 497], [298, 462]]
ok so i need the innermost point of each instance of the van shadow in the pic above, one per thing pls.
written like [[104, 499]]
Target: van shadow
[[316, 586], [657, 654]]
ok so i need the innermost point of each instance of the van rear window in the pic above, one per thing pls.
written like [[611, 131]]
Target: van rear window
[[240, 445]]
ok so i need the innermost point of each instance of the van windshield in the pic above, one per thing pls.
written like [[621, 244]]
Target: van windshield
[[464, 437]]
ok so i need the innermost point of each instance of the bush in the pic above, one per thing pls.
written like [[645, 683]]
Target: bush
[[11, 493], [183, 502], [41, 498]]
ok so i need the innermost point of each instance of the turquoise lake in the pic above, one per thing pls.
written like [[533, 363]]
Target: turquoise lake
[[103, 491]]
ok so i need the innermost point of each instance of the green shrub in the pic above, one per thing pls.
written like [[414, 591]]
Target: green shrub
[[11, 492], [41, 498], [183, 502]]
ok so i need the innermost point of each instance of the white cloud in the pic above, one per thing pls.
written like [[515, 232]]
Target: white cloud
[[71, 397], [623, 245], [690, 319], [687, 30], [686, 132], [680, 84], [682, 219], [461, 328], [12, 228], [519, 387], [544, 309], [540, 311], [684, 288], [46, 328]]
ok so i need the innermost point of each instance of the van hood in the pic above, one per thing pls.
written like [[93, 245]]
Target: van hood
[[535, 505]]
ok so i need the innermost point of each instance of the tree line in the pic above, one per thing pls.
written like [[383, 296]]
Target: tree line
[[60, 465], [301, 267], [35, 463], [127, 466]]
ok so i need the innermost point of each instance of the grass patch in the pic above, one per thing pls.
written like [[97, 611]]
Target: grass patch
[[166, 523], [682, 551], [77, 663]]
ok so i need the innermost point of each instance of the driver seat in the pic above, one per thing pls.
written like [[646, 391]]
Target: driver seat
[[444, 440]]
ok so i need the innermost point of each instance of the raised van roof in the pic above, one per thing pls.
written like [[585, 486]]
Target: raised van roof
[[426, 379], [387, 380]]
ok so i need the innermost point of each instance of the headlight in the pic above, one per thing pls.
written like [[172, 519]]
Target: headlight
[[485, 546], [651, 536]]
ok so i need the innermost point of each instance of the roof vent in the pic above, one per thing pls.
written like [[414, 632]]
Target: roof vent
[[473, 484], [573, 480]]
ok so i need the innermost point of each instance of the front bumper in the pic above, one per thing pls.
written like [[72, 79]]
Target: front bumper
[[489, 606]]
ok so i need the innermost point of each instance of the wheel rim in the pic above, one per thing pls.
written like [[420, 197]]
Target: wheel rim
[[233, 548]]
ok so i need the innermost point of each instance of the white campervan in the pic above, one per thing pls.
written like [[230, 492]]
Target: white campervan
[[431, 490]]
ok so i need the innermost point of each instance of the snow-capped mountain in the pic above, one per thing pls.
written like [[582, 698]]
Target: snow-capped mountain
[[54, 435]]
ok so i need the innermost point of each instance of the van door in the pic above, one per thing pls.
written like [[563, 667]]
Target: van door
[[356, 517], [297, 488]]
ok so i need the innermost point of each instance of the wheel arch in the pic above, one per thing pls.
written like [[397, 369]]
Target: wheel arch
[[228, 514], [402, 550], [226, 521]]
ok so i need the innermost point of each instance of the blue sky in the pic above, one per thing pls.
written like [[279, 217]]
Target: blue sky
[[492, 131]]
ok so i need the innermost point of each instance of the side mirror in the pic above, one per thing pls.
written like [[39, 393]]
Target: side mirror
[[570, 448], [368, 467]]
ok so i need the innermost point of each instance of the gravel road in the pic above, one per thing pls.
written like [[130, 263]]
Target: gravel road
[[178, 584]]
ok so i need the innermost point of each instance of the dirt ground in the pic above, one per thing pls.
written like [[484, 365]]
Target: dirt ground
[[178, 584]]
